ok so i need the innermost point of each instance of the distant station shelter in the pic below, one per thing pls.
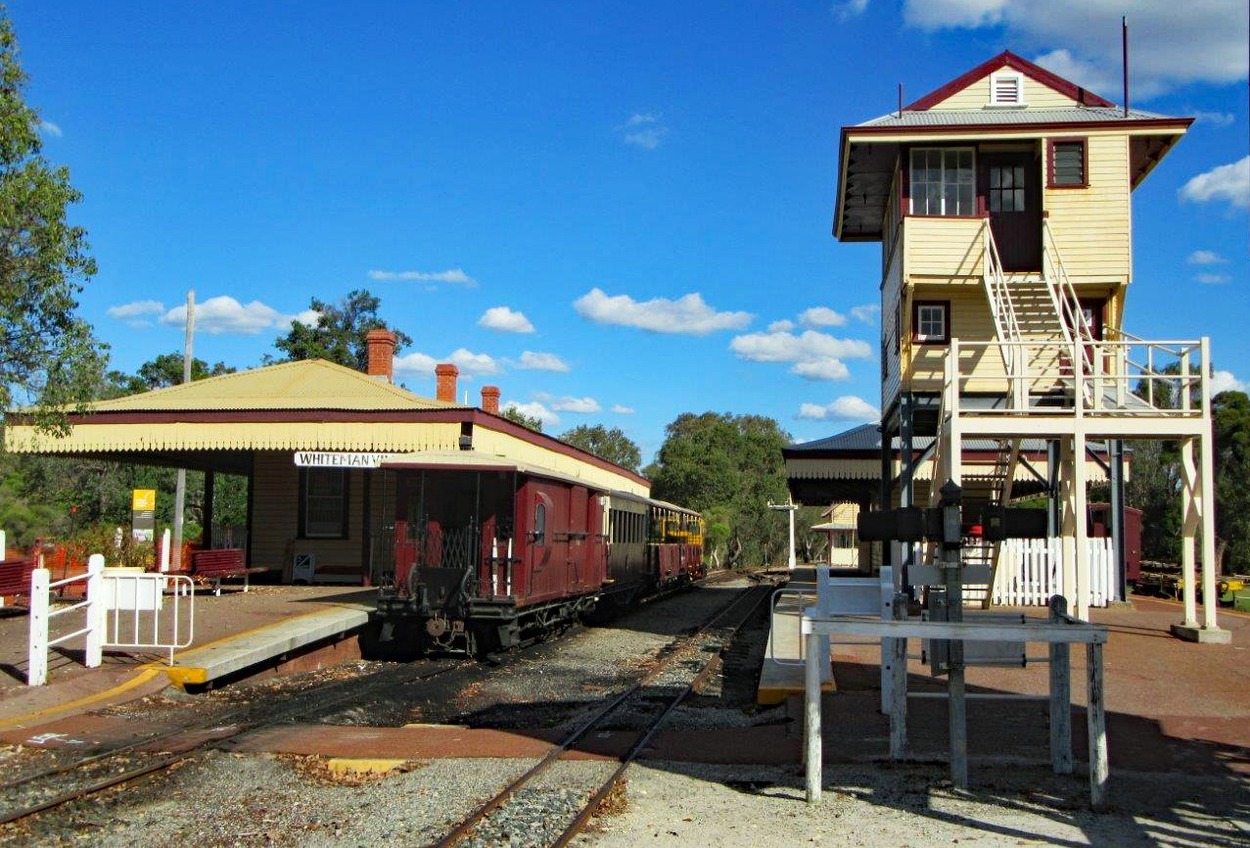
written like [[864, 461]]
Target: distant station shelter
[[314, 440], [1001, 202]]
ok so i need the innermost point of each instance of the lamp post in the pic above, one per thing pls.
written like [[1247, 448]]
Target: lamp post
[[790, 508]]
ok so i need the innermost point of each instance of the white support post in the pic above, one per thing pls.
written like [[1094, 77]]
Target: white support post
[[37, 655], [811, 714], [1190, 499], [1207, 505], [165, 551], [4, 546], [96, 613], [1068, 520], [1096, 726], [1079, 498]]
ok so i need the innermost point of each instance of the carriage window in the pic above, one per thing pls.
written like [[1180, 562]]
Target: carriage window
[[540, 524]]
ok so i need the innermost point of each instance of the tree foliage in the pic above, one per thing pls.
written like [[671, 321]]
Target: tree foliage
[[339, 332], [610, 444], [47, 354], [1231, 414], [516, 416], [162, 372], [730, 468]]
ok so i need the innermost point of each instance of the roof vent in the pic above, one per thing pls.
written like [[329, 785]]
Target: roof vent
[[1007, 88]]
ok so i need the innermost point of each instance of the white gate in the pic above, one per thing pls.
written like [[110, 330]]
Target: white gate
[[1030, 571], [122, 608]]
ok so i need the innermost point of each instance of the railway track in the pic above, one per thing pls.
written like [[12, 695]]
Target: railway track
[[114, 766], [558, 813]]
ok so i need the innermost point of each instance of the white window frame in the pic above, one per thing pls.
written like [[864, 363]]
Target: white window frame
[[1007, 88], [956, 178], [923, 331]]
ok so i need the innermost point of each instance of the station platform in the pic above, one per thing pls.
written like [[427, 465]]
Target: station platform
[[781, 674], [235, 633]]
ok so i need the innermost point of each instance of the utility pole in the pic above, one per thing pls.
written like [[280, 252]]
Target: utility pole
[[791, 508], [180, 493]]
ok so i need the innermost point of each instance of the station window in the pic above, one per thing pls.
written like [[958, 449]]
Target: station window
[[1068, 165], [942, 181], [323, 503], [931, 322]]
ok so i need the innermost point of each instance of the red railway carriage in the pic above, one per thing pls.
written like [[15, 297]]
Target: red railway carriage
[[653, 547], [490, 552]]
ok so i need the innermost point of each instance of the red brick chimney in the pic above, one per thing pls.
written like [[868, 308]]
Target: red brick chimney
[[446, 375], [490, 399], [380, 353]]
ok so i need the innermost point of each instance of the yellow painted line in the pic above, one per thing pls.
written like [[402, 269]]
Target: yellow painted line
[[145, 674], [183, 675], [771, 696], [362, 766]]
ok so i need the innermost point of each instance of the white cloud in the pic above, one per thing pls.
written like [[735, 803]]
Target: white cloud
[[845, 408], [787, 347], [1224, 381], [848, 9], [1215, 119], [1204, 41], [535, 410], [138, 313], [688, 314], [643, 130], [867, 313], [415, 365], [1099, 78], [816, 356], [533, 361], [782, 326], [1213, 279], [584, 405], [470, 364], [504, 319], [821, 316], [622, 410], [1206, 257], [223, 314], [49, 128], [821, 369], [473, 364], [1229, 183], [451, 275]]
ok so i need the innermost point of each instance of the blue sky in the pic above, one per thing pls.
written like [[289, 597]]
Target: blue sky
[[616, 212]]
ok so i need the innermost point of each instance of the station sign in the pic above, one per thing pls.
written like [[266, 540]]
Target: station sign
[[339, 459], [143, 514]]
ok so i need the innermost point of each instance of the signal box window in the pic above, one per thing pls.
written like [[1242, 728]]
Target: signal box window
[[1069, 166], [323, 504], [930, 322], [942, 181]]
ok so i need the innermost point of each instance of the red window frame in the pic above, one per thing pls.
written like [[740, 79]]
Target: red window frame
[[1050, 162]]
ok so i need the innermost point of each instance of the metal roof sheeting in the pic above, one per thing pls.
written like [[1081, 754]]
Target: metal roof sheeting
[[991, 117], [307, 384]]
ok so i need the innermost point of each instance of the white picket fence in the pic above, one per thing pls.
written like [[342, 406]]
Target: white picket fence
[[1031, 570]]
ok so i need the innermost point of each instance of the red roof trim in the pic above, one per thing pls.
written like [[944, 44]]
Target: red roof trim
[[1016, 63], [1180, 124]]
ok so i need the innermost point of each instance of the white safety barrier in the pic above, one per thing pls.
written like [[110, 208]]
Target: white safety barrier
[[1030, 571], [110, 594]]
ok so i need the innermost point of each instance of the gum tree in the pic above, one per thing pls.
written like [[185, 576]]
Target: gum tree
[[48, 357]]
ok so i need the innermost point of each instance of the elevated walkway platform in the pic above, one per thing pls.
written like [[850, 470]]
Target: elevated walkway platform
[[296, 627], [781, 675], [271, 643]]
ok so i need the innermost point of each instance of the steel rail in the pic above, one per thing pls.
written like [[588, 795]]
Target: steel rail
[[673, 651], [169, 761]]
